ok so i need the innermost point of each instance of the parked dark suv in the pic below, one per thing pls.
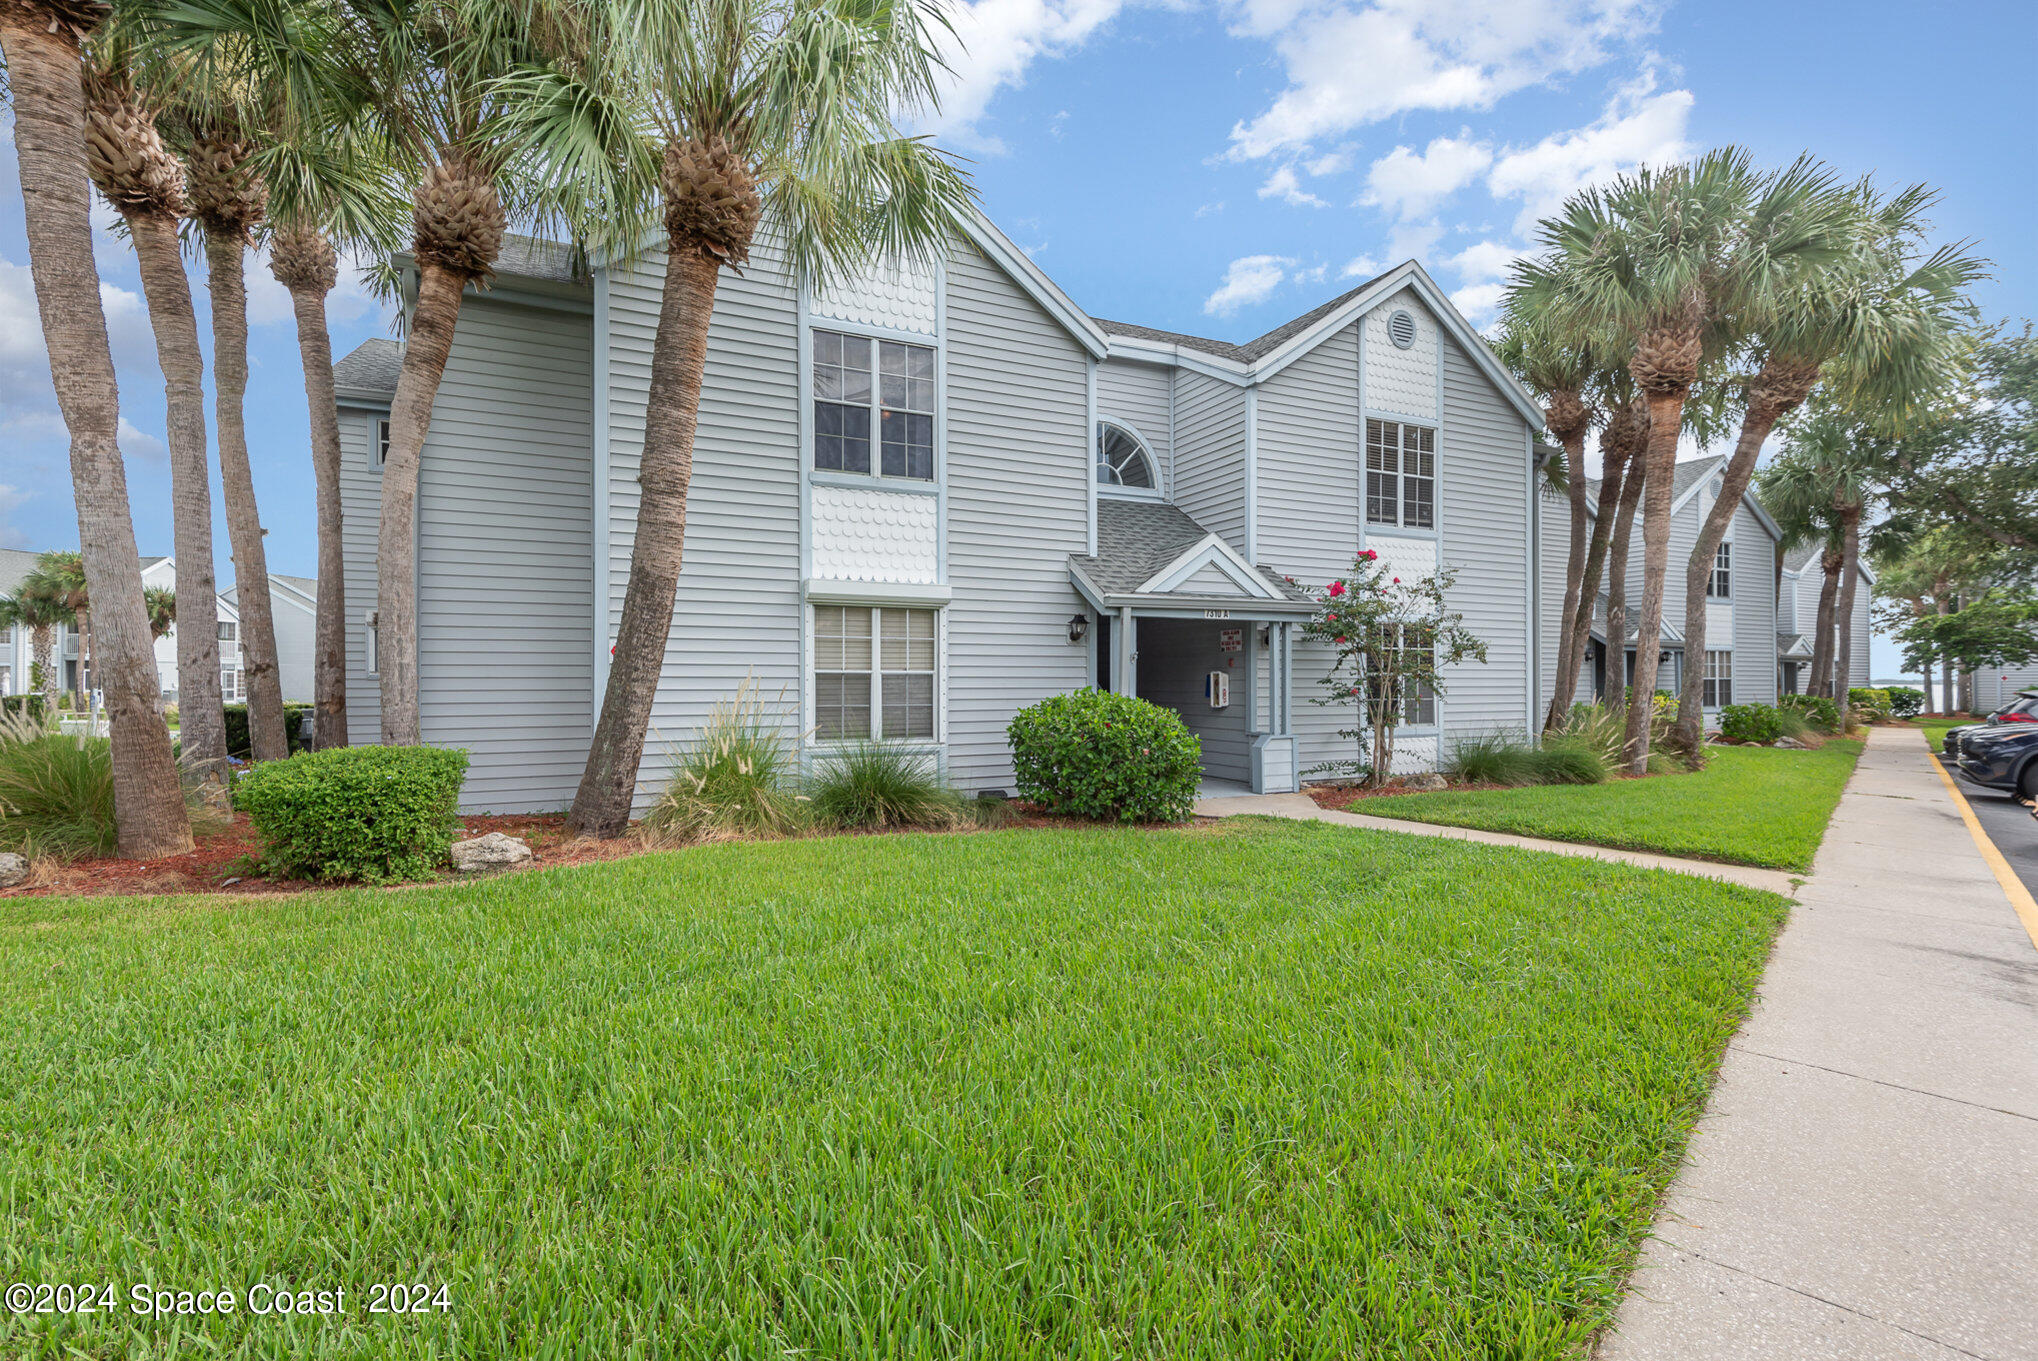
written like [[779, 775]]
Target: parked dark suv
[[2000, 755], [2023, 710]]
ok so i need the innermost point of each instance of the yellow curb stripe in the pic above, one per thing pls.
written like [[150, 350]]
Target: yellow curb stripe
[[2013, 887]]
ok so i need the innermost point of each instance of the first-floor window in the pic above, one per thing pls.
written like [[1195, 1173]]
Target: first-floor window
[[1719, 679], [1417, 700], [874, 672], [230, 683]]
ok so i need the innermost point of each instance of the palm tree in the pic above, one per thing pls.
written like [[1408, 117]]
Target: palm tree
[[725, 113], [161, 604], [40, 42], [37, 607], [1648, 264], [145, 184], [61, 573], [1831, 467], [1622, 447], [1562, 369], [1861, 313]]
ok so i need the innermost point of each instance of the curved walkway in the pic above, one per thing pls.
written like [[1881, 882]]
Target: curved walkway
[[1304, 808]]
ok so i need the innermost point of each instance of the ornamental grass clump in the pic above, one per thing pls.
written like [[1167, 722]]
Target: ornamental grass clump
[[872, 786], [56, 792], [1115, 758], [737, 778], [1502, 758], [376, 815]]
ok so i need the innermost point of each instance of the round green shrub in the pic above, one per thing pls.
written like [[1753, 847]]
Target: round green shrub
[[376, 814], [1819, 711], [1905, 702], [1750, 723], [1094, 754]]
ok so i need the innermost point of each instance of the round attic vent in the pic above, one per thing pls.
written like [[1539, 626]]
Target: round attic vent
[[1401, 330]]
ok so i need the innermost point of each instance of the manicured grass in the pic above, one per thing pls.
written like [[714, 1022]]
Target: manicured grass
[[1749, 806], [1255, 1090], [1935, 728]]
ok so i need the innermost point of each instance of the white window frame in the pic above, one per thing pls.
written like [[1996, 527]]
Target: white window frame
[[1718, 683], [816, 669], [378, 444], [1151, 492], [1719, 583], [370, 656], [1399, 472], [875, 406]]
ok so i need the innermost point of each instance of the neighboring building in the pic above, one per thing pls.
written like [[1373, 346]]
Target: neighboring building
[[1742, 630], [1999, 685], [931, 497], [17, 645], [1802, 578], [295, 609]]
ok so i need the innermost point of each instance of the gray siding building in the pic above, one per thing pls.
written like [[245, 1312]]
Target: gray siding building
[[933, 495]]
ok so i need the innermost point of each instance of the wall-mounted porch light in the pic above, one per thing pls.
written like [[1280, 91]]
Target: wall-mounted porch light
[[1079, 628]]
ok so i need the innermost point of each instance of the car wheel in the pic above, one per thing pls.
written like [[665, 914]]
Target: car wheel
[[2027, 785]]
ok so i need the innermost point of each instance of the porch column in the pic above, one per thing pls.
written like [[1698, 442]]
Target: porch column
[[1252, 677], [1122, 678]]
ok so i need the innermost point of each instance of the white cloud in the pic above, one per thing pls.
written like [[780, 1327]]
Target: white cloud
[[1479, 301], [1362, 267], [1486, 260], [1248, 280], [1286, 186], [1329, 163], [1639, 127], [1362, 61], [1410, 183], [993, 43], [1210, 209], [136, 442]]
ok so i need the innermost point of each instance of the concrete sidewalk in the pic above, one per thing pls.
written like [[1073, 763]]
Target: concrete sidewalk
[[1864, 1183]]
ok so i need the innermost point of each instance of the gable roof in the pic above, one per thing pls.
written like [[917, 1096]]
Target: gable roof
[[15, 564], [1251, 349], [1689, 475], [1137, 540], [370, 369]]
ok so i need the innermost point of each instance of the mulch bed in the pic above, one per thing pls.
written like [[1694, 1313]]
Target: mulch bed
[[224, 863]]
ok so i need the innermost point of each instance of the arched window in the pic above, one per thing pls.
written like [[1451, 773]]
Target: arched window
[[1122, 461]]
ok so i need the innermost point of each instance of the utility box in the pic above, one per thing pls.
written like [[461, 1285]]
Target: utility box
[[1217, 689]]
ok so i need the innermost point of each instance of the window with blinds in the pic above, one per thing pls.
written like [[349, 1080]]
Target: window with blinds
[[1401, 475], [874, 672]]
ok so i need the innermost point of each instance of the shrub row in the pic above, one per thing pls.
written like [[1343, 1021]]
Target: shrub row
[[31, 705], [1821, 713], [241, 748]]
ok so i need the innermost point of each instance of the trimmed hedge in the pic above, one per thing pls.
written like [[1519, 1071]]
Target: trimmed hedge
[[377, 814], [1905, 702], [1868, 703], [1094, 754], [1750, 723], [1818, 711], [241, 748], [32, 705]]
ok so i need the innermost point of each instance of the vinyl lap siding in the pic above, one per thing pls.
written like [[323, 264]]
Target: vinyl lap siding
[[1309, 507], [737, 613], [1483, 515], [360, 514], [505, 555], [1209, 481], [1018, 490], [1140, 396], [1754, 587]]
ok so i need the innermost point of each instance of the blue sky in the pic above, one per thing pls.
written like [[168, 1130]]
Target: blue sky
[[1219, 168]]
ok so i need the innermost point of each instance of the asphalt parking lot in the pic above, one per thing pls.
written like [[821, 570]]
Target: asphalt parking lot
[[2010, 825]]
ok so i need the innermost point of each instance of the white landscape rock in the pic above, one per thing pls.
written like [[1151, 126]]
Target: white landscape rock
[[492, 852], [1426, 783], [13, 869]]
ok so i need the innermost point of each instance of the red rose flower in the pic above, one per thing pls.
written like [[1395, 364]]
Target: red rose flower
[[1337, 588]]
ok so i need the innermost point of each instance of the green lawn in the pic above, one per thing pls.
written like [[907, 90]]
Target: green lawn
[[1749, 806], [1248, 1091], [1935, 728]]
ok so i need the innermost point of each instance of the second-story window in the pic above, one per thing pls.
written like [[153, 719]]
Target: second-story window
[[1720, 584], [865, 387], [1401, 475]]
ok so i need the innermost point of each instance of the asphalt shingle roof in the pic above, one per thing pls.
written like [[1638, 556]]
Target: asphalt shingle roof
[[1801, 557], [1135, 539], [1252, 349], [1689, 474], [371, 366], [15, 563]]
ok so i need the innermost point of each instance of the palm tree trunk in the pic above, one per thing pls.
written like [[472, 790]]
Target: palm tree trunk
[[1850, 575], [678, 359], [267, 739], [1666, 415], [1636, 482], [1759, 420], [410, 419], [201, 721], [1610, 489], [329, 646], [1822, 625], [1945, 664], [49, 120], [40, 648], [1570, 650]]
